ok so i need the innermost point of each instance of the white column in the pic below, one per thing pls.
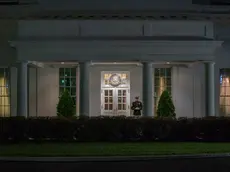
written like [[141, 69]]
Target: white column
[[84, 88], [147, 80], [210, 88], [22, 91]]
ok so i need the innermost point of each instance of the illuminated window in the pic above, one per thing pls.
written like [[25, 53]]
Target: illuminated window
[[108, 78], [162, 81], [67, 81], [4, 93], [225, 92]]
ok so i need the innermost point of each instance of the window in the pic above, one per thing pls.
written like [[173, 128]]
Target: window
[[225, 92], [162, 81], [110, 78], [67, 81], [4, 93]]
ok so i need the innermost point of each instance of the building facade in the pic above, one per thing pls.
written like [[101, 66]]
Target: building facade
[[106, 61]]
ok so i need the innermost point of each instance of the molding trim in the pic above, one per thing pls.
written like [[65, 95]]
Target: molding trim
[[36, 64], [115, 50]]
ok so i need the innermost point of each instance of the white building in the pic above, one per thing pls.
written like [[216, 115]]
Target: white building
[[45, 49]]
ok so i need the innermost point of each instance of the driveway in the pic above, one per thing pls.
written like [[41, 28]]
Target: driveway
[[177, 164]]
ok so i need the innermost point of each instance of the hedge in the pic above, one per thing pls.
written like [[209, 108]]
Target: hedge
[[113, 129]]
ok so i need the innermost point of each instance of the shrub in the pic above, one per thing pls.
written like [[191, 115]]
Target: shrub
[[165, 106], [113, 129], [66, 107]]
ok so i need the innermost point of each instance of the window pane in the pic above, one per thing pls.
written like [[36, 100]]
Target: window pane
[[73, 91], [124, 106], [67, 82], [119, 92], [157, 72], [106, 92], [73, 82], [110, 106], [168, 81], [119, 106], [106, 99], [61, 90], [67, 72], [225, 92], [74, 100], [2, 81], [168, 72], [73, 72], [106, 106], [225, 72], [68, 89], [1, 72], [169, 89], [119, 99], [61, 82], [62, 72], [4, 93], [110, 92], [156, 81]]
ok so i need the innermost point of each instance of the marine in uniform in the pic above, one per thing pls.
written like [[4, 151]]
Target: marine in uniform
[[136, 107]]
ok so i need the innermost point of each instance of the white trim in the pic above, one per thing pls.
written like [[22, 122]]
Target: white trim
[[36, 64], [116, 63]]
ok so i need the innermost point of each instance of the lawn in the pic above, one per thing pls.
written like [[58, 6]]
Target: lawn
[[111, 149]]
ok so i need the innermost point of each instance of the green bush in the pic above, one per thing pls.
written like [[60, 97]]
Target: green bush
[[113, 129], [65, 106], [165, 106]]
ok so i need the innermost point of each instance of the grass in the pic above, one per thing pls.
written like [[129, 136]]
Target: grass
[[111, 149]]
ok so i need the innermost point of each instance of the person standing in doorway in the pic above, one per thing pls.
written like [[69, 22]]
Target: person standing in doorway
[[136, 107]]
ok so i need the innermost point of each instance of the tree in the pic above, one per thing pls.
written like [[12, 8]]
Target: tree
[[65, 106], [165, 106]]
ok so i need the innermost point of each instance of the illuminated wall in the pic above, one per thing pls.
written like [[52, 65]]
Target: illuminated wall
[[4, 93], [225, 92], [162, 81]]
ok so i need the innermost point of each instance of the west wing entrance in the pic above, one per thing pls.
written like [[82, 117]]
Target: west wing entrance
[[115, 93], [115, 101]]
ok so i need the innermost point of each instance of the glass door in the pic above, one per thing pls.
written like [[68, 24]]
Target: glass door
[[107, 102], [115, 102], [122, 101]]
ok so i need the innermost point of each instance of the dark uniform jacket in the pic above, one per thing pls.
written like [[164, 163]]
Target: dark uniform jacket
[[136, 107]]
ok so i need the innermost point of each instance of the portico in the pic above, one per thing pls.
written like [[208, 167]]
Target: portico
[[105, 68], [109, 88]]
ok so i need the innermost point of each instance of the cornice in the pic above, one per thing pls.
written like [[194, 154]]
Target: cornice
[[119, 42], [34, 12], [120, 47]]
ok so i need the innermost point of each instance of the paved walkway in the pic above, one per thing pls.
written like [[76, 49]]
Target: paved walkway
[[113, 158], [153, 164]]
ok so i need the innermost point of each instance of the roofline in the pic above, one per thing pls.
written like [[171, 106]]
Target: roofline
[[116, 15]]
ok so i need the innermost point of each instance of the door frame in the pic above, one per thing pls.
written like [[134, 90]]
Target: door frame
[[115, 92]]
